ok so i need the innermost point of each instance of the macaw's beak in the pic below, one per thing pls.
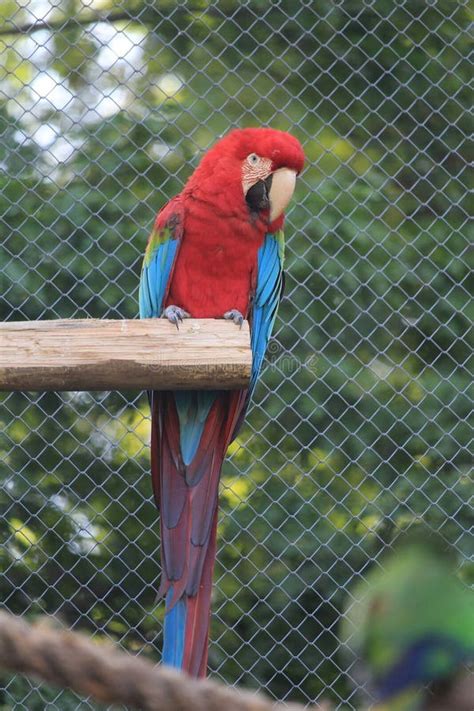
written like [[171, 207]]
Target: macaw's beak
[[282, 187], [273, 194]]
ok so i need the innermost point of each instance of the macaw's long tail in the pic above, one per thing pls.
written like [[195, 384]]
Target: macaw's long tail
[[186, 630], [190, 435]]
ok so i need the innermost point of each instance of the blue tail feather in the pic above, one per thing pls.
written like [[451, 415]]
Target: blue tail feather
[[175, 622]]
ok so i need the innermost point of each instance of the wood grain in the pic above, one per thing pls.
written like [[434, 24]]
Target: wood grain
[[93, 354]]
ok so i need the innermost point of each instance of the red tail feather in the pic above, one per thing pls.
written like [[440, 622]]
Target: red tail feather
[[199, 614], [188, 499]]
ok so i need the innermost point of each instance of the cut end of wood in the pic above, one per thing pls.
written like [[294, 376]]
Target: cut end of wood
[[149, 354]]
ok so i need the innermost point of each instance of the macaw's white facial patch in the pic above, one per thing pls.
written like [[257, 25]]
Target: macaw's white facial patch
[[254, 168]]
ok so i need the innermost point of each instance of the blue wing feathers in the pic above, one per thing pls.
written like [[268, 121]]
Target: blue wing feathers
[[267, 297], [268, 271], [155, 277]]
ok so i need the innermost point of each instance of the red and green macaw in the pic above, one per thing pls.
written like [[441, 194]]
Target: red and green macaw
[[216, 251]]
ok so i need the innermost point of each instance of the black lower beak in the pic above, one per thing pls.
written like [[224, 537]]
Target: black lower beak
[[257, 196]]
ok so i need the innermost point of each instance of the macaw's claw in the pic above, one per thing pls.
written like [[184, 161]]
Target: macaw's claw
[[234, 316], [175, 314]]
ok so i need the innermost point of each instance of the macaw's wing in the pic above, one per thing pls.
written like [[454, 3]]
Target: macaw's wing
[[160, 257], [268, 291]]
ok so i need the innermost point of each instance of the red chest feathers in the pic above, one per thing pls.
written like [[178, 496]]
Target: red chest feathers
[[215, 266]]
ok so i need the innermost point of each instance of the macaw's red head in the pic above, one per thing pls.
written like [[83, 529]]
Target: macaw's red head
[[251, 172]]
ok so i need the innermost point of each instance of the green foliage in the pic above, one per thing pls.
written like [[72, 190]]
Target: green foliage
[[360, 422]]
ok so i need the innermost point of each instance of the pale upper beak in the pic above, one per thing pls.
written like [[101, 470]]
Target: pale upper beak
[[281, 191], [272, 193]]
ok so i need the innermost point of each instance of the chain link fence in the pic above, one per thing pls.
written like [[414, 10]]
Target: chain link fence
[[359, 426]]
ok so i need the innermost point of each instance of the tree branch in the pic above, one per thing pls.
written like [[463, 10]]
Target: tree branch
[[63, 24]]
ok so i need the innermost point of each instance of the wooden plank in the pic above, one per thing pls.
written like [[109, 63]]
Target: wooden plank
[[93, 354]]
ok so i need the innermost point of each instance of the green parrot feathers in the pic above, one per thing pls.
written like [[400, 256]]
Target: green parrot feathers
[[412, 620]]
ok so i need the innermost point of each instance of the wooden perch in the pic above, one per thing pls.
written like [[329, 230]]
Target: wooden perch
[[93, 354]]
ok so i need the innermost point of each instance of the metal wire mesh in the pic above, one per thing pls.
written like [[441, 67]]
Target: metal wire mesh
[[360, 423]]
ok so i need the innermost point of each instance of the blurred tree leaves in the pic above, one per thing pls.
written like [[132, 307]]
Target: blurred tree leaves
[[360, 425]]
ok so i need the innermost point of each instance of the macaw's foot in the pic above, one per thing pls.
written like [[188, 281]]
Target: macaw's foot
[[234, 316], [175, 314]]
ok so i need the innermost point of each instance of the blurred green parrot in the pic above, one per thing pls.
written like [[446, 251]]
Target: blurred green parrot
[[410, 624]]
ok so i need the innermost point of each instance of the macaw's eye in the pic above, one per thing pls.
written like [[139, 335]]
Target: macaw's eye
[[253, 159]]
